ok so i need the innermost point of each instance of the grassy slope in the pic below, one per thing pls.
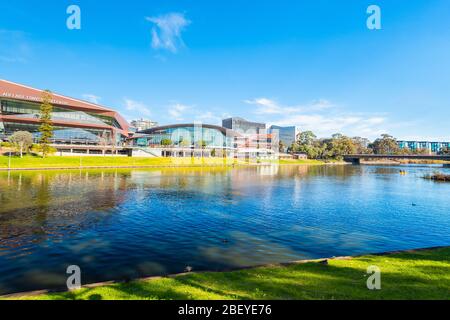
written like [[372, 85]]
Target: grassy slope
[[64, 162], [414, 275], [52, 162]]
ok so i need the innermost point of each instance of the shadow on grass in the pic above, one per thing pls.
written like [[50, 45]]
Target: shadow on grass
[[404, 276]]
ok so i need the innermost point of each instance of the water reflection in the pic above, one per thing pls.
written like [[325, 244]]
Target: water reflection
[[120, 224], [41, 206]]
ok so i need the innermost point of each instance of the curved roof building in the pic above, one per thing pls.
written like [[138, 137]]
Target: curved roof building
[[74, 120], [188, 134]]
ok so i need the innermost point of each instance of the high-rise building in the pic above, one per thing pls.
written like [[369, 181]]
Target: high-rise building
[[286, 135], [243, 126], [143, 124]]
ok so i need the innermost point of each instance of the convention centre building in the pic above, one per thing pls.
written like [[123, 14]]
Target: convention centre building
[[84, 127], [75, 122]]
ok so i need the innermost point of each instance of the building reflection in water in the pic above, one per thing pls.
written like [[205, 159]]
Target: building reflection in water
[[39, 205], [36, 206]]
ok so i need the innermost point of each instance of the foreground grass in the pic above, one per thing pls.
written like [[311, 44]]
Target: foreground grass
[[28, 162], [410, 275]]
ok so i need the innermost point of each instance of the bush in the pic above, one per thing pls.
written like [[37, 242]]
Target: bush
[[37, 148], [437, 176], [6, 144]]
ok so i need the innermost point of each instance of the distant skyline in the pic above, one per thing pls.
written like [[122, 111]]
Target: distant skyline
[[313, 64]]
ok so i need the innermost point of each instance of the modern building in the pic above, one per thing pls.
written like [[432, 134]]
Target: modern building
[[243, 126], [84, 127], [143, 124], [431, 147], [182, 140], [286, 135], [75, 122], [186, 135]]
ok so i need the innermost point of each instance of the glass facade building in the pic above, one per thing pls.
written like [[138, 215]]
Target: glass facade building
[[243, 126], [286, 135], [431, 147], [186, 136], [74, 121]]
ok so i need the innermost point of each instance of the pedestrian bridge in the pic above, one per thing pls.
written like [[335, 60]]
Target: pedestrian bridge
[[356, 158]]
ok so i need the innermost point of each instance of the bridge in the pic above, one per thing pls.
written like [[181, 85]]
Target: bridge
[[356, 158]]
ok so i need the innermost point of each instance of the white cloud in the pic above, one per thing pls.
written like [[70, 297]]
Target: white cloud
[[268, 106], [139, 108], [326, 125], [177, 110], [320, 116], [211, 118], [91, 98], [166, 34]]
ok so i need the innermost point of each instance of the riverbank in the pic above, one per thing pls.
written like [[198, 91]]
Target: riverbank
[[401, 162], [61, 163], [439, 177], [415, 274]]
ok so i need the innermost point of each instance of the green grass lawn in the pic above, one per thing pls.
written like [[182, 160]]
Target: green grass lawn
[[409, 275], [85, 161], [28, 162]]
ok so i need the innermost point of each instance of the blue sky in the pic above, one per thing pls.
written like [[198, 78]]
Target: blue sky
[[309, 63]]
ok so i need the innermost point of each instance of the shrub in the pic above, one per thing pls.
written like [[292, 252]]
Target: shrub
[[6, 144]]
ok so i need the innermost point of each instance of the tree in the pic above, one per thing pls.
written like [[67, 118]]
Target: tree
[[202, 144], [334, 148], [422, 151], [166, 142], [184, 143], [306, 138], [386, 145], [308, 144], [340, 146], [22, 141], [46, 128], [281, 147], [445, 151], [362, 145]]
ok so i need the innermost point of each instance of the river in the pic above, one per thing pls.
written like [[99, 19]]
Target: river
[[125, 224]]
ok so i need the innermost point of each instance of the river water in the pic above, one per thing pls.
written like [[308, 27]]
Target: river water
[[124, 224]]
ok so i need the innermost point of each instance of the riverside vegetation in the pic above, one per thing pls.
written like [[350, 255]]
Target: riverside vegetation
[[438, 177]]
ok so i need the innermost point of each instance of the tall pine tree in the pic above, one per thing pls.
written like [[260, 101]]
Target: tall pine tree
[[46, 128]]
